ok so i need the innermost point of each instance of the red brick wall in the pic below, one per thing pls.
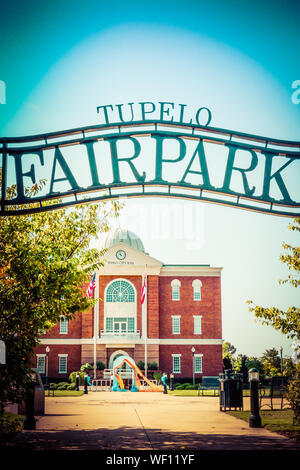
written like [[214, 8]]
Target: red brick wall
[[153, 306], [209, 307], [211, 360], [74, 358]]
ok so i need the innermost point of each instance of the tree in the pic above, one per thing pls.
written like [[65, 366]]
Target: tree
[[45, 260], [271, 362], [228, 351], [287, 322]]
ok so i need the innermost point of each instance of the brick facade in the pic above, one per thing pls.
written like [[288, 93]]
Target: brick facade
[[162, 342]]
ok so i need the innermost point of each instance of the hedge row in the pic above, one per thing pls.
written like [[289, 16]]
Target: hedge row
[[186, 386]]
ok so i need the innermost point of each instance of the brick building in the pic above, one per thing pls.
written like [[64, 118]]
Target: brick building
[[180, 318]]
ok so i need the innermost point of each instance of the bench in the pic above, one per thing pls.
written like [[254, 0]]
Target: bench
[[209, 383], [277, 390]]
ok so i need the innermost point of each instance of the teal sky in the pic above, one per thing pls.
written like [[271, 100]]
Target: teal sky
[[60, 60]]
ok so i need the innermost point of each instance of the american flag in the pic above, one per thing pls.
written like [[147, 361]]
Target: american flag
[[143, 292], [91, 287]]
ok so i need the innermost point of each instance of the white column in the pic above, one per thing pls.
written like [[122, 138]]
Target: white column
[[144, 318], [96, 322]]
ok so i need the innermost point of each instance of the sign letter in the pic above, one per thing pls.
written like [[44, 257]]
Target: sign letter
[[230, 168], [65, 168], [277, 177], [115, 159]]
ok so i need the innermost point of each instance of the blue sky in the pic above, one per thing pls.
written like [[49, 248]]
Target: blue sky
[[61, 59]]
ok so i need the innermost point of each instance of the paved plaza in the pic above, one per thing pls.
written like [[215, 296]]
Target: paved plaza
[[143, 421]]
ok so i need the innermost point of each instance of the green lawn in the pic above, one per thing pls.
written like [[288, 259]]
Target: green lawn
[[275, 420], [64, 393]]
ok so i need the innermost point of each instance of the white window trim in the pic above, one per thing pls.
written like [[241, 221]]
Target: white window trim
[[197, 283], [198, 316], [199, 371], [176, 317], [63, 320], [37, 366], [176, 355], [59, 356], [176, 283]]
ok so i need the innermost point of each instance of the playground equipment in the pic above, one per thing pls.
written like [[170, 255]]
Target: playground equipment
[[118, 383]]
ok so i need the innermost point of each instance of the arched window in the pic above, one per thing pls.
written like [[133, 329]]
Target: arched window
[[175, 284], [120, 291], [197, 285], [120, 308]]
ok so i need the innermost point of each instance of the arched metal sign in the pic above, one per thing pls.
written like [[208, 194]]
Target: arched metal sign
[[151, 158]]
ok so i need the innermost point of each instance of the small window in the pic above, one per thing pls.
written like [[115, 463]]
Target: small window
[[198, 363], [175, 284], [62, 363], [176, 325], [176, 363], [109, 325], [63, 329], [197, 285], [40, 363], [130, 325], [197, 324]]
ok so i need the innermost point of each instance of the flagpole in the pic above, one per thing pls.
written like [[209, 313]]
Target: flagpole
[[96, 316], [145, 314]]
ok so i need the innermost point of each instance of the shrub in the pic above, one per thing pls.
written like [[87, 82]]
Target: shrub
[[157, 375], [153, 366], [72, 377], [141, 365], [10, 424], [293, 395], [53, 386], [179, 387], [71, 387], [190, 387], [86, 367], [187, 384], [62, 385]]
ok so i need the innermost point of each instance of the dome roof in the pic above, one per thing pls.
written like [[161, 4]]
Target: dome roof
[[125, 236]]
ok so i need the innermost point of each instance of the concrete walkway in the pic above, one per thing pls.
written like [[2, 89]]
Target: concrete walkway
[[143, 421]]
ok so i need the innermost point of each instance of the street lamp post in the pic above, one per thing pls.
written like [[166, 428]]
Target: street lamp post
[[254, 420], [172, 381], [47, 363], [193, 352]]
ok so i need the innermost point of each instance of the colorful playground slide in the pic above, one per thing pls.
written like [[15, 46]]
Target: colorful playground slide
[[118, 384]]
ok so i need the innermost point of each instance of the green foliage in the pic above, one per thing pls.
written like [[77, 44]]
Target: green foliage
[[86, 367], [62, 386], [99, 365], [10, 424], [72, 377], [152, 366], [157, 375], [288, 322], [45, 259], [293, 395], [179, 387], [141, 365], [271, 362]]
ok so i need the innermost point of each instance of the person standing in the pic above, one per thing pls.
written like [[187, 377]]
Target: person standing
[[164, 382]]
